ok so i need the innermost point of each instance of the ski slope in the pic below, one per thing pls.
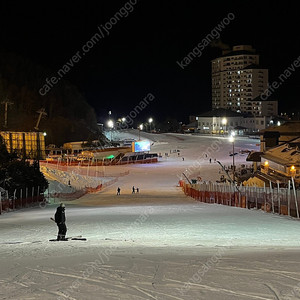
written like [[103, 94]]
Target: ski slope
[[158, 244]]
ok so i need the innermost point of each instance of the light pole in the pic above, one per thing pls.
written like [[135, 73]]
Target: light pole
[[224, 122], [231, 139], [110, 124], [140, 128], [150, 121], [122, 122], [293, 175]]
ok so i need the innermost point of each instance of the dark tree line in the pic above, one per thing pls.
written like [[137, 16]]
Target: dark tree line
[[69, 116]]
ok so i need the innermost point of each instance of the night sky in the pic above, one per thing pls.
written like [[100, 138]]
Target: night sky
[[139, 54]]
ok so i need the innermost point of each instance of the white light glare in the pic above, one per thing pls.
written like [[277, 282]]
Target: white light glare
[[110, 124]]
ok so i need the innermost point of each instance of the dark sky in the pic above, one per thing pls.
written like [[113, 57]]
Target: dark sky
[[139, 55]]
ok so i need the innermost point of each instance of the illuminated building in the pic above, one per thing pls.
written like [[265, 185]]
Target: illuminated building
[[238, 81], [282, 162], [25, 144]]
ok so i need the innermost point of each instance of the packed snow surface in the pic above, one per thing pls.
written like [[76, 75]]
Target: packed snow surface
[[155, 244]]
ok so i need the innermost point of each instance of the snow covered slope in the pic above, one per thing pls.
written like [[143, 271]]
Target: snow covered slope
[[158, 244]]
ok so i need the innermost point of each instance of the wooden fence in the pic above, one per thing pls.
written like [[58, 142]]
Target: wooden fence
[[283, 201]]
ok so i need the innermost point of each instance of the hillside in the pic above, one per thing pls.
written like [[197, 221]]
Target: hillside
[[69, 116]]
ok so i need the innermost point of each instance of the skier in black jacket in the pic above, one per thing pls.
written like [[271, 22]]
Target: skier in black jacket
[[60, 220]]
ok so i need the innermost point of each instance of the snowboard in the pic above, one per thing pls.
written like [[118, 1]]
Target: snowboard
[[69, 239], [72, 238]]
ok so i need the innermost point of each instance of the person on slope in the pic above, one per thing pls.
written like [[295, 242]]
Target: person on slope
[[60, 220]]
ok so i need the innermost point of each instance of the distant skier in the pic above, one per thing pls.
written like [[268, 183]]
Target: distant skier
[[118, 191], [60, 220], [133, 190]]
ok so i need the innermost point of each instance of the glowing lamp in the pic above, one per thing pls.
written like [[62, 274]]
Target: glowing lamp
[[110, 123]]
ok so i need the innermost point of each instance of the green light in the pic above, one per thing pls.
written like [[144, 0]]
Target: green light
[[110, 156]]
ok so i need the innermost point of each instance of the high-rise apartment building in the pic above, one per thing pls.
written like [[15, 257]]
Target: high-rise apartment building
[[237, 79]]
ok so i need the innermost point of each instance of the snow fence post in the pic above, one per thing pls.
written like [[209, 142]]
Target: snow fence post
[[32, 193], [240, 194], [265, 197], [256, 192], [295, 194], [26, 195], [272, 196], [21, 192], [231, 190], [289, 198], [14, 199], [38, 194], [278, 197], [246, 196]]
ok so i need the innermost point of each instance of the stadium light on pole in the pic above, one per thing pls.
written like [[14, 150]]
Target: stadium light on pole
[[150, 121], [110, 124], [141, 126], [231, 139], [293, 171], [224, 122]]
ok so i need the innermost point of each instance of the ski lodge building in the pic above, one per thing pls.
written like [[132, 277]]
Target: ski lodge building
[[283, 162]]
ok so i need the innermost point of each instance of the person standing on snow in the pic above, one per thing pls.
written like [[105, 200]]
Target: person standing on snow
[[60, 220], [118, 191]]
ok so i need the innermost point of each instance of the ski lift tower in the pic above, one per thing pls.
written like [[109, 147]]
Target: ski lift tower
[[41, 113], [6, 103]]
